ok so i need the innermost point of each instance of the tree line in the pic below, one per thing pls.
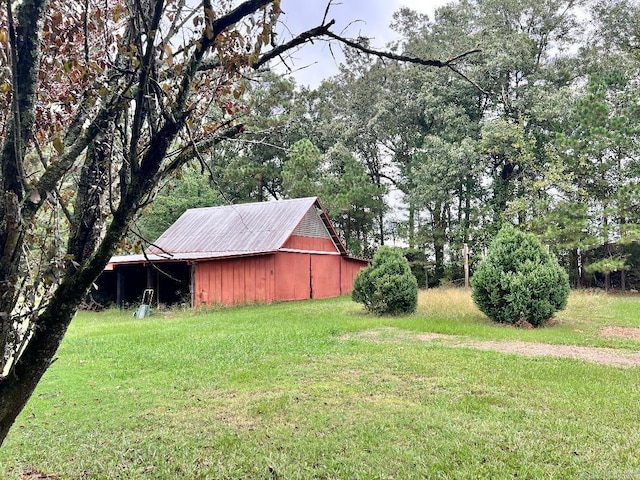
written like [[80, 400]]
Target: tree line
[[539, 129]]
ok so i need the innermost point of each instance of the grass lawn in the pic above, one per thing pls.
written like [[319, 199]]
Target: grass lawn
[[297, 391]]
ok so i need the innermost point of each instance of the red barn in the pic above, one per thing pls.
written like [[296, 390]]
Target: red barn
[[248, 253]]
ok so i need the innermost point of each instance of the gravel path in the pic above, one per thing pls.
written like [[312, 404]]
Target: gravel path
[[605, 356]]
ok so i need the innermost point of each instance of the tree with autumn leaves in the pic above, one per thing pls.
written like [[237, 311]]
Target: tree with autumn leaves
[[102, 102]]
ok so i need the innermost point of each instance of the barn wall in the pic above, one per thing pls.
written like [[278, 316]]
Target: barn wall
[[315, 244], [349, 268], [281, 276], [293, 276], [235, 281], [325, 276]]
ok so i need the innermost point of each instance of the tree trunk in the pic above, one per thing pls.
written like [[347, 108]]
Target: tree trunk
[[51, 325], [502, 193], [438, 242], [17, 388], [381, 220], [574, 260], [24, 34], [467, 209], [412, 225]]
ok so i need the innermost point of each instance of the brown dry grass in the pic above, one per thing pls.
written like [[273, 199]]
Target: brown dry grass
[[447, 301]]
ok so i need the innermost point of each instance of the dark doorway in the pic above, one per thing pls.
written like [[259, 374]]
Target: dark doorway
[[124, 286]]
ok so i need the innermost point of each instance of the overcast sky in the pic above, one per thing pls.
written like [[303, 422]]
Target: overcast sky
[[370, 18]]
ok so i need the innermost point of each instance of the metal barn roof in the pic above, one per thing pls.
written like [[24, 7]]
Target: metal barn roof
[[233, 230]]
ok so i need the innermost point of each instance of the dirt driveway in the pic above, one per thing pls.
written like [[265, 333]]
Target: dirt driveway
[[605, 356]]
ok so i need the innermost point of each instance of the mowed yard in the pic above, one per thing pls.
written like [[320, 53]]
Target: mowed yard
[[319, 389]]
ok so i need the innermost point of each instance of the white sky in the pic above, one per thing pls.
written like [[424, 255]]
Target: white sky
[[369, 18]]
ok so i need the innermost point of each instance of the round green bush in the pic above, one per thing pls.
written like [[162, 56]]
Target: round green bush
[[519, 281], [387, 286]]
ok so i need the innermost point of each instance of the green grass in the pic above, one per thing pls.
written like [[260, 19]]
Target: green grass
[[291, 391]]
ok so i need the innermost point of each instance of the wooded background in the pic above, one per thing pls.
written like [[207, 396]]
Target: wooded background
[[539, 129]]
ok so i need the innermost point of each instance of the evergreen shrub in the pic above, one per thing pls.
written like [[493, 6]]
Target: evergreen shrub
[[519, 281], [387, 286]]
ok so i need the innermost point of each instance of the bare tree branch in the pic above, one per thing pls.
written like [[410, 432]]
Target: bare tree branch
[[324, 31], [304, 37], [472, 82], [399, 57], [190, 152]]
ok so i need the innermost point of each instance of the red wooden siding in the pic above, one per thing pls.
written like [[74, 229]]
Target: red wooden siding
[[325, 276], [235, 281], [349, 268], [310, 244], [292, 276], [280, 276]]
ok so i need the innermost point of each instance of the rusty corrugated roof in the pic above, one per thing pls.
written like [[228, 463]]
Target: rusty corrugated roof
[[231, 230], [249, 227]]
